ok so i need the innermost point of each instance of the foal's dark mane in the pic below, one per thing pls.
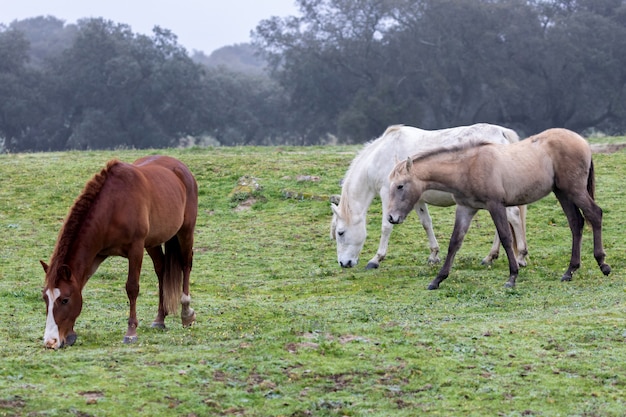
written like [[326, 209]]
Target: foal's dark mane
[[465, 145], [76, 217]]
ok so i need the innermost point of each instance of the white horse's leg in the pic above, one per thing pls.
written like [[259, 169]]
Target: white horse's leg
[[494, 252], [427, 222], [385, 234], [516, 217]]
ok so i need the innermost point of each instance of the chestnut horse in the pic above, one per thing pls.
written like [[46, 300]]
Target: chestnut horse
[[487, 176], [122, 210]]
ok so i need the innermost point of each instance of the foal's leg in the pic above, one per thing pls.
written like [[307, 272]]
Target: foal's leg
[[135, 257], [576, 224], [427, 222], [385, 233], [158, 260], [462, 222], [499, 216], [593, 214]]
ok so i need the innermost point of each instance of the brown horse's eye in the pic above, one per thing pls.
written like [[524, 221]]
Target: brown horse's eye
[[65, 301]]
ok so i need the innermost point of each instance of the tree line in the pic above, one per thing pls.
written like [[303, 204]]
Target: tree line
[[341, 71]]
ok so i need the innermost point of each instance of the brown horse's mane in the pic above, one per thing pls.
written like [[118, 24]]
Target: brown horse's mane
[[77, 215]]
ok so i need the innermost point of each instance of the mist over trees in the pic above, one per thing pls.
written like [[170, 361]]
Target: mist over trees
[[342, 70]]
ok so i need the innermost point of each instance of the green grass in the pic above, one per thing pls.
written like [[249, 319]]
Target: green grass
[[283, 331]]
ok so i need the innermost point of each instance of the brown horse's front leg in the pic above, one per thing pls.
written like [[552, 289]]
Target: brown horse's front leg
[[462, 223], [135, 258], [498, 215]]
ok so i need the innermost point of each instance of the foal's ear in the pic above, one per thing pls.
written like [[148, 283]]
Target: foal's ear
[[44, 265], [409, 163]]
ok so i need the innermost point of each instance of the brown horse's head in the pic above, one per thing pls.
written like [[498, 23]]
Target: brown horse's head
[[404, 191], [64, 301]]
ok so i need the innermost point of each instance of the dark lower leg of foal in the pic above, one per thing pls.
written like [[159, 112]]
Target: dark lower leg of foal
[[593, 214], [498, 215], [576, 223], [462, 222]]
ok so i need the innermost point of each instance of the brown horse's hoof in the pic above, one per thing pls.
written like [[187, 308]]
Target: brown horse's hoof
[[130, 339], [190, 319], [158, 325]]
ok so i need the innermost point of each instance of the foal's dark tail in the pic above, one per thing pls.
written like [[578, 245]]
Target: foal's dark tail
[[172, 276], [591, 182]]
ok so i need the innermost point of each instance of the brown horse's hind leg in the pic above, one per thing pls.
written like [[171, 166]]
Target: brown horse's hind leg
[[158, 260], [187, 314]]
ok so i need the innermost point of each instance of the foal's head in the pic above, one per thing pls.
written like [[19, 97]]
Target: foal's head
[[404, 191], [64, 301]]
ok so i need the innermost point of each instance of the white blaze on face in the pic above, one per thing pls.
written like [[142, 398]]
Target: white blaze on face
[[51, 335]]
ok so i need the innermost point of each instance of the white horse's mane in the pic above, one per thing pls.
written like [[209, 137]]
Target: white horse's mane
[[368, 148]]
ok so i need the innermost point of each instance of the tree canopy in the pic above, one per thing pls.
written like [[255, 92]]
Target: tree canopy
[[342, 68]]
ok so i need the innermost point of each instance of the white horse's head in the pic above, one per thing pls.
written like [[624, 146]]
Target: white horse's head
[[350, 234]]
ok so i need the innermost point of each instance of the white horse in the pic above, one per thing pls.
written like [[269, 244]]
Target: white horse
[[368, 176]]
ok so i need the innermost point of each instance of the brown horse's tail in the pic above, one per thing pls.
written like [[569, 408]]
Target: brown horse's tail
[[591, 182], [172, 276]]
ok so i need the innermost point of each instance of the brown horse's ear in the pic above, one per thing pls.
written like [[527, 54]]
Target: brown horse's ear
[[409, 163], [44, 265]]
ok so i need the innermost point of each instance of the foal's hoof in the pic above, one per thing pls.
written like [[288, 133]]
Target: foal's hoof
[[371, 265], [130, 339], [158, 325], [606, 269], [433, 286], [566, 278], [509, 284]]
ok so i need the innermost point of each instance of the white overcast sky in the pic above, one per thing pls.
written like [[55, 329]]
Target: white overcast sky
[[203, 25]]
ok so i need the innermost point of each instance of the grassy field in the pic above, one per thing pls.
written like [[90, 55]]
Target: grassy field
[[283, 331]]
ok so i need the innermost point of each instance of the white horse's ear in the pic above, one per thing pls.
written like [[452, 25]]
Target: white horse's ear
[[409, 163], [335, 209]]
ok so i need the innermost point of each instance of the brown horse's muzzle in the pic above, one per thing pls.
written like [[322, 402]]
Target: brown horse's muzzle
[[69, 340]]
